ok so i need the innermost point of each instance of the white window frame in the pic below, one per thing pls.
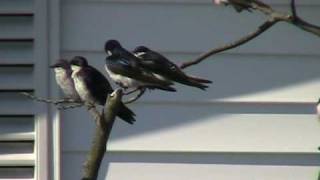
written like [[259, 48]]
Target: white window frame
[[47, 118]]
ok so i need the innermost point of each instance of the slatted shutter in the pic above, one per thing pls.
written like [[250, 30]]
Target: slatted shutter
[[23, 136]]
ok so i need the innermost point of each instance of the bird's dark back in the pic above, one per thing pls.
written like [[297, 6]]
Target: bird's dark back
[[99, 84], [157, 63]]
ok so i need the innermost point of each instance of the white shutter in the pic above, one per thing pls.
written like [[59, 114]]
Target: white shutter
[[22, 147]]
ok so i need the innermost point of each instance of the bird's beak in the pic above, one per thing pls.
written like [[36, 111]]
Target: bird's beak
[[109, 53]]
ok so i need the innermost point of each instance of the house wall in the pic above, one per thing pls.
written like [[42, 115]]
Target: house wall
[[256, 121]]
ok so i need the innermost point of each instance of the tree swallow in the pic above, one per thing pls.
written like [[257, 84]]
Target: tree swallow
[[125, 69], [63, 73], [93, 87], [166, 69]]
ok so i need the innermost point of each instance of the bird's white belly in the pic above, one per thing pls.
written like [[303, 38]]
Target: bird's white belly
[[82, 89], [65, 83], [123, 80]]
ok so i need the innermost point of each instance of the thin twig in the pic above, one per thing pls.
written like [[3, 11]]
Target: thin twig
[[49, 101], [135, 98], [265, 26], [302, 24], [291, 18], [274, 17], [69, 106], [131, 91], [293, 8], [62, 104]]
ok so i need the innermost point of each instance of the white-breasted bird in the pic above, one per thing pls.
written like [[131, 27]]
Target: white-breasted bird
[[125, 69], [94, 88], [63, 78], [166, 69]]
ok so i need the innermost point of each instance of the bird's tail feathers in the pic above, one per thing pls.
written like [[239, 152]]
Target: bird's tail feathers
[[199, 80], [126, 114], [193, 83]]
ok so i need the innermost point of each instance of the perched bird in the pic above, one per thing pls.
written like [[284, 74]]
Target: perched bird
[[63, 73], [93, 87], [124, 68], [166, 69]]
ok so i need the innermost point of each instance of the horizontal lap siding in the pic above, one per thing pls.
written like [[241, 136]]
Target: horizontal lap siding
[[258, 111], [189, 29], [186, 2], [204, 128], [239, 78], [158, 166]]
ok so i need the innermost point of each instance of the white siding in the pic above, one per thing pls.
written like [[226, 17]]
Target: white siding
[[256, 121]]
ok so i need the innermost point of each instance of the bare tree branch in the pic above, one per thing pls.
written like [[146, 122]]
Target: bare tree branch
[[104, 123], [293, 8], [94, 113], [296, 20], [274, 17], [61, 104], [49, 101], [292, 18], [69, 106], [265, 26]]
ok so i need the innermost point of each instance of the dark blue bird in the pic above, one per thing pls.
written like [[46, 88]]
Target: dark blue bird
[[94, 88], [125, 69], [163, 67]]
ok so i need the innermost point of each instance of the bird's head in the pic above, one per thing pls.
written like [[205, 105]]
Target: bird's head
[[78, 62], [110, 46], [61, 64]]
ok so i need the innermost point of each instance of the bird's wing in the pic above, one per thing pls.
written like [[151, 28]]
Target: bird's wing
[[98, 83], [164, 67], [130, 67], [159, 64], [155, 61]]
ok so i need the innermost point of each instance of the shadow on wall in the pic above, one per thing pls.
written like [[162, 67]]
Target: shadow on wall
[[232, 76]]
